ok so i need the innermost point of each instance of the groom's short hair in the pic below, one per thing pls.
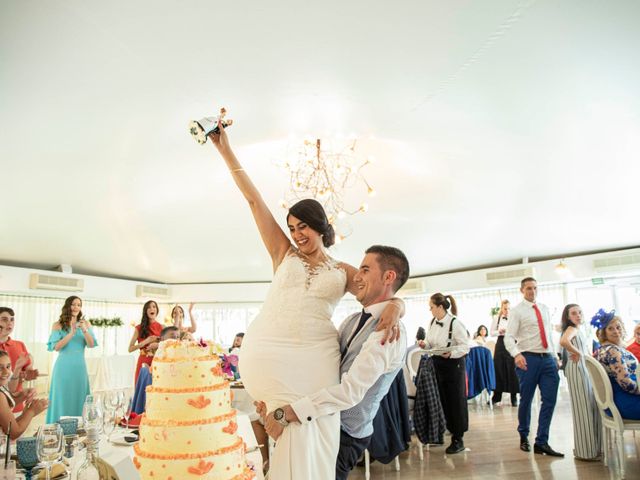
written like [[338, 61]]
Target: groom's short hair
[[391, 258]]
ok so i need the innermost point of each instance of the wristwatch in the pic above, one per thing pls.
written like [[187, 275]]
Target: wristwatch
[[279, 416]]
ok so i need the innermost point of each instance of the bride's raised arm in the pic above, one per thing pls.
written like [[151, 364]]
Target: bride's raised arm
[[273, 237]]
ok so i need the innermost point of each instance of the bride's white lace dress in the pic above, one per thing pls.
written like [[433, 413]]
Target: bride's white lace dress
[[291, 350]]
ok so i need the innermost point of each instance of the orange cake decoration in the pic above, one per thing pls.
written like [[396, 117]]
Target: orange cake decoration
[[189, 429]]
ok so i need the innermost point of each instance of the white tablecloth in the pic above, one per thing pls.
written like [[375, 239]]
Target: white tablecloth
[[121, 457], [111, 373]]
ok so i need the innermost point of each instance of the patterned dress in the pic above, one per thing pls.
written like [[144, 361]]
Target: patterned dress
[[587, 428], [621, 367]]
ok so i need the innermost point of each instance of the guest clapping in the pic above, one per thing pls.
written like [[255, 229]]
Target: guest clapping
[[619, 363], [70, 335], [177, 317], [21, 359], [8, 402], [146, 336]]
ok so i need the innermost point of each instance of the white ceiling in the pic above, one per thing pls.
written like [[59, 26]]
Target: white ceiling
[[501, 129]]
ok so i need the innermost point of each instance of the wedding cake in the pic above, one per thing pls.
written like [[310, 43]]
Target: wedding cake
[[189, 428]]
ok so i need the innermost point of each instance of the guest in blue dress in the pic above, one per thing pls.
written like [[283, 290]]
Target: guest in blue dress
[[620, 364], [69, 380]]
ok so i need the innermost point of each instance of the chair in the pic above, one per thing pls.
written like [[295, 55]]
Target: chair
[[480, 375], [611, 421], [367, 463], [413, 362]]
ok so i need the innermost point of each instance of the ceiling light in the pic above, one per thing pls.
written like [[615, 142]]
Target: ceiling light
[[326, 174]]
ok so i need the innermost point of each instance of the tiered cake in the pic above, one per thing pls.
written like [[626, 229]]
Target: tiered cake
[[189, 429]]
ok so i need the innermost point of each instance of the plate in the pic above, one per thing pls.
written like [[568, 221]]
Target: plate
[[120, 440]]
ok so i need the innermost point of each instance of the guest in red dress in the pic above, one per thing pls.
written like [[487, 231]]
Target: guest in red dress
[[146, 336], [21, 359], [634, 347]]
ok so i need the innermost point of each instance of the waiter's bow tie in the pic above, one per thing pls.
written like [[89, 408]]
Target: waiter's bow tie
[[440, 324]]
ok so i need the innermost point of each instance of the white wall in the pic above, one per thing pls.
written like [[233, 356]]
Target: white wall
[[15, 280]]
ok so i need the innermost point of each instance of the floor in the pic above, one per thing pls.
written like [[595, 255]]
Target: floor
[[493, 452]]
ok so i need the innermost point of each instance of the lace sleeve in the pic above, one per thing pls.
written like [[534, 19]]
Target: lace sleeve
[[618, 370]]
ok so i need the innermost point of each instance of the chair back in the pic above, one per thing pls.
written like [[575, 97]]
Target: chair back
[[603, 393], [413, 361]]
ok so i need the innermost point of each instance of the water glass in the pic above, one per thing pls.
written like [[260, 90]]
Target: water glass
[[27, 450], [69, 426], [50, 445], [92, 414]]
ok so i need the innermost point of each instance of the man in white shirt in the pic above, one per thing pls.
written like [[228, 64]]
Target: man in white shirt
[[536, 365], [367, 368]]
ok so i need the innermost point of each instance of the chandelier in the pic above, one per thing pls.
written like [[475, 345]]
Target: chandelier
[[326, 175]]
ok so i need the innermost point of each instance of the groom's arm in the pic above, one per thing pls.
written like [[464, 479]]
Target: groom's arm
[[373, 361]]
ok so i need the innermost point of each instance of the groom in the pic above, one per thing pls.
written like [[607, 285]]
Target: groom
[[367, 368]]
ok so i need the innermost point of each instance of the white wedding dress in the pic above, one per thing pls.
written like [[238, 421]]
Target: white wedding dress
[[291, 350]]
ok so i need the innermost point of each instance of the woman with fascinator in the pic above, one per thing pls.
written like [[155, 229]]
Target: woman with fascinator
[[291, 348], [587, 427], [619, 363]]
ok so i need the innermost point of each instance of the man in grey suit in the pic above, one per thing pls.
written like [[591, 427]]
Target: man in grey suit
[[367, 367]]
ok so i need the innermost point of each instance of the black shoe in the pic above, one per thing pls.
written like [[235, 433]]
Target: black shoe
[[457, 446], [546, 450], [524, 444]]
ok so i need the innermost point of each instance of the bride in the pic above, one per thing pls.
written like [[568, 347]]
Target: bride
[[291, 349]]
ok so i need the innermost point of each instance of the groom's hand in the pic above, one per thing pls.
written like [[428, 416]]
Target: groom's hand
[[273, 428]]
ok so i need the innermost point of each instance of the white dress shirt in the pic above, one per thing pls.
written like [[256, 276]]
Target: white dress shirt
[[438, 336], [498, 323], [523, 328], [372, 361]]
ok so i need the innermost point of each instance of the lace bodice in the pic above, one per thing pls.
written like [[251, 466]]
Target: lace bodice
[[301, 297], [621, 367]]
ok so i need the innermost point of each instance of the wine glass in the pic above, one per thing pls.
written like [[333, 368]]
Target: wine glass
[[113, 400], [127, 409], [110, 419], [50, 445], [121, 395]]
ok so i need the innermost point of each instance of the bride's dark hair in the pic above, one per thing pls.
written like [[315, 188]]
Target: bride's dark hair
[[312, 213]]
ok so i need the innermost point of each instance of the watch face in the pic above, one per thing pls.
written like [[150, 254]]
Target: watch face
[[278, 414]]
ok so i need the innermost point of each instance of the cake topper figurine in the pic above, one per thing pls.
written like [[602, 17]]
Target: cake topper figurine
[[199, 129]]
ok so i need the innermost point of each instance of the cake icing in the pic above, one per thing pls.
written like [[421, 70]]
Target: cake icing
[[189, 428]]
